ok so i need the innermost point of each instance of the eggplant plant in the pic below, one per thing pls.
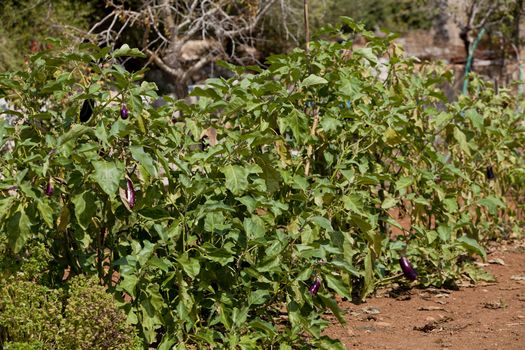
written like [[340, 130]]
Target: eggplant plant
[[311, 160]]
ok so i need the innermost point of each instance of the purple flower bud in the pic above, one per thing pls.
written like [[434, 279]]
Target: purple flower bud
[[49, 188], [130, 193], [124, 112], [314, 288], [408, 270]]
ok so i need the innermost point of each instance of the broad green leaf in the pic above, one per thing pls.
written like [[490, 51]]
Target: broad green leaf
[[239, 315], [492, 204], [19, 229], [403, 182], [462, 140], [128, 284], [236, 178], [476, 119], [271, 176], [473, 246], [190, 265], [45, 212], [389, 203], [334, 307], [85, 208], [323, 223], [125, 50], [167, 343], [108, 176], [144, 159], [75, 132], [353, 203], [337, 285], [219, 255], [391, 137], [368, 54], [254, 227], [258, 297], [368, 276], [442, 118], [313, 79], [267, 327]]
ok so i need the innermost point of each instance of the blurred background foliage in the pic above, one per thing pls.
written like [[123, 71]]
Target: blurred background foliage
[[26, 23]]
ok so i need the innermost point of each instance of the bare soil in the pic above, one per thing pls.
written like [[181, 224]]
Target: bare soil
[[482, 316]]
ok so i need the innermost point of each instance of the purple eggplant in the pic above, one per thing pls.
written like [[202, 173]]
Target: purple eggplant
[[408, 270], [49, 188], [87, 110], [314, 288], [130, 193], [490, 173], [124, 112]]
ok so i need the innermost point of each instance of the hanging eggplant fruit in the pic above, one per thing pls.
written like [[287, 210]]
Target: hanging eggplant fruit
[[490, 173], [124, 112], [87, 110], [130, 193], [407, 268]]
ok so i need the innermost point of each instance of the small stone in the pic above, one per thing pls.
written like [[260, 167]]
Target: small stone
[[497, 261], [371, 310], [383, 324]]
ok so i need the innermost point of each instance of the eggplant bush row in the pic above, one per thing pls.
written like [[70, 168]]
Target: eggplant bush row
[[296, 200]]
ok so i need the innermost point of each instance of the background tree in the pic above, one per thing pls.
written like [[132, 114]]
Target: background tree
[[182, 37], [26, 24], [500, 19]]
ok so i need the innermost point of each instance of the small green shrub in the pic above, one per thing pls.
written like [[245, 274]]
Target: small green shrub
[[29, 313], [92, 320], [33, 316]]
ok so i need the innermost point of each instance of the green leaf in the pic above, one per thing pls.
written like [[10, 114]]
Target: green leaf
[[323, 223], [334, 307], [144, 159], [367, 53], [271, 176], [368, 276], [353, 203], [45, 212], [219, 255], [403, 182], [85, 208], [75, 132], [462, 140], [167, 342], [128, 284], [108, 176], [337, 285], [258, 297], [313, 79], [254, 227], [236, 178], [125, 50], [478, 274], [239, 316], [191, 266], [389, 203], [476, 119], [473, 246], [442, 118], [492, 204], [19, 229], [264, 326]]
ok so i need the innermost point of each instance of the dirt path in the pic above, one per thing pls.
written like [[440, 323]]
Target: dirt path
[[487, 316]]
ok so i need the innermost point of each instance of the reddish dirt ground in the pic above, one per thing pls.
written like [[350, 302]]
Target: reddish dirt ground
[[484, 316]]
